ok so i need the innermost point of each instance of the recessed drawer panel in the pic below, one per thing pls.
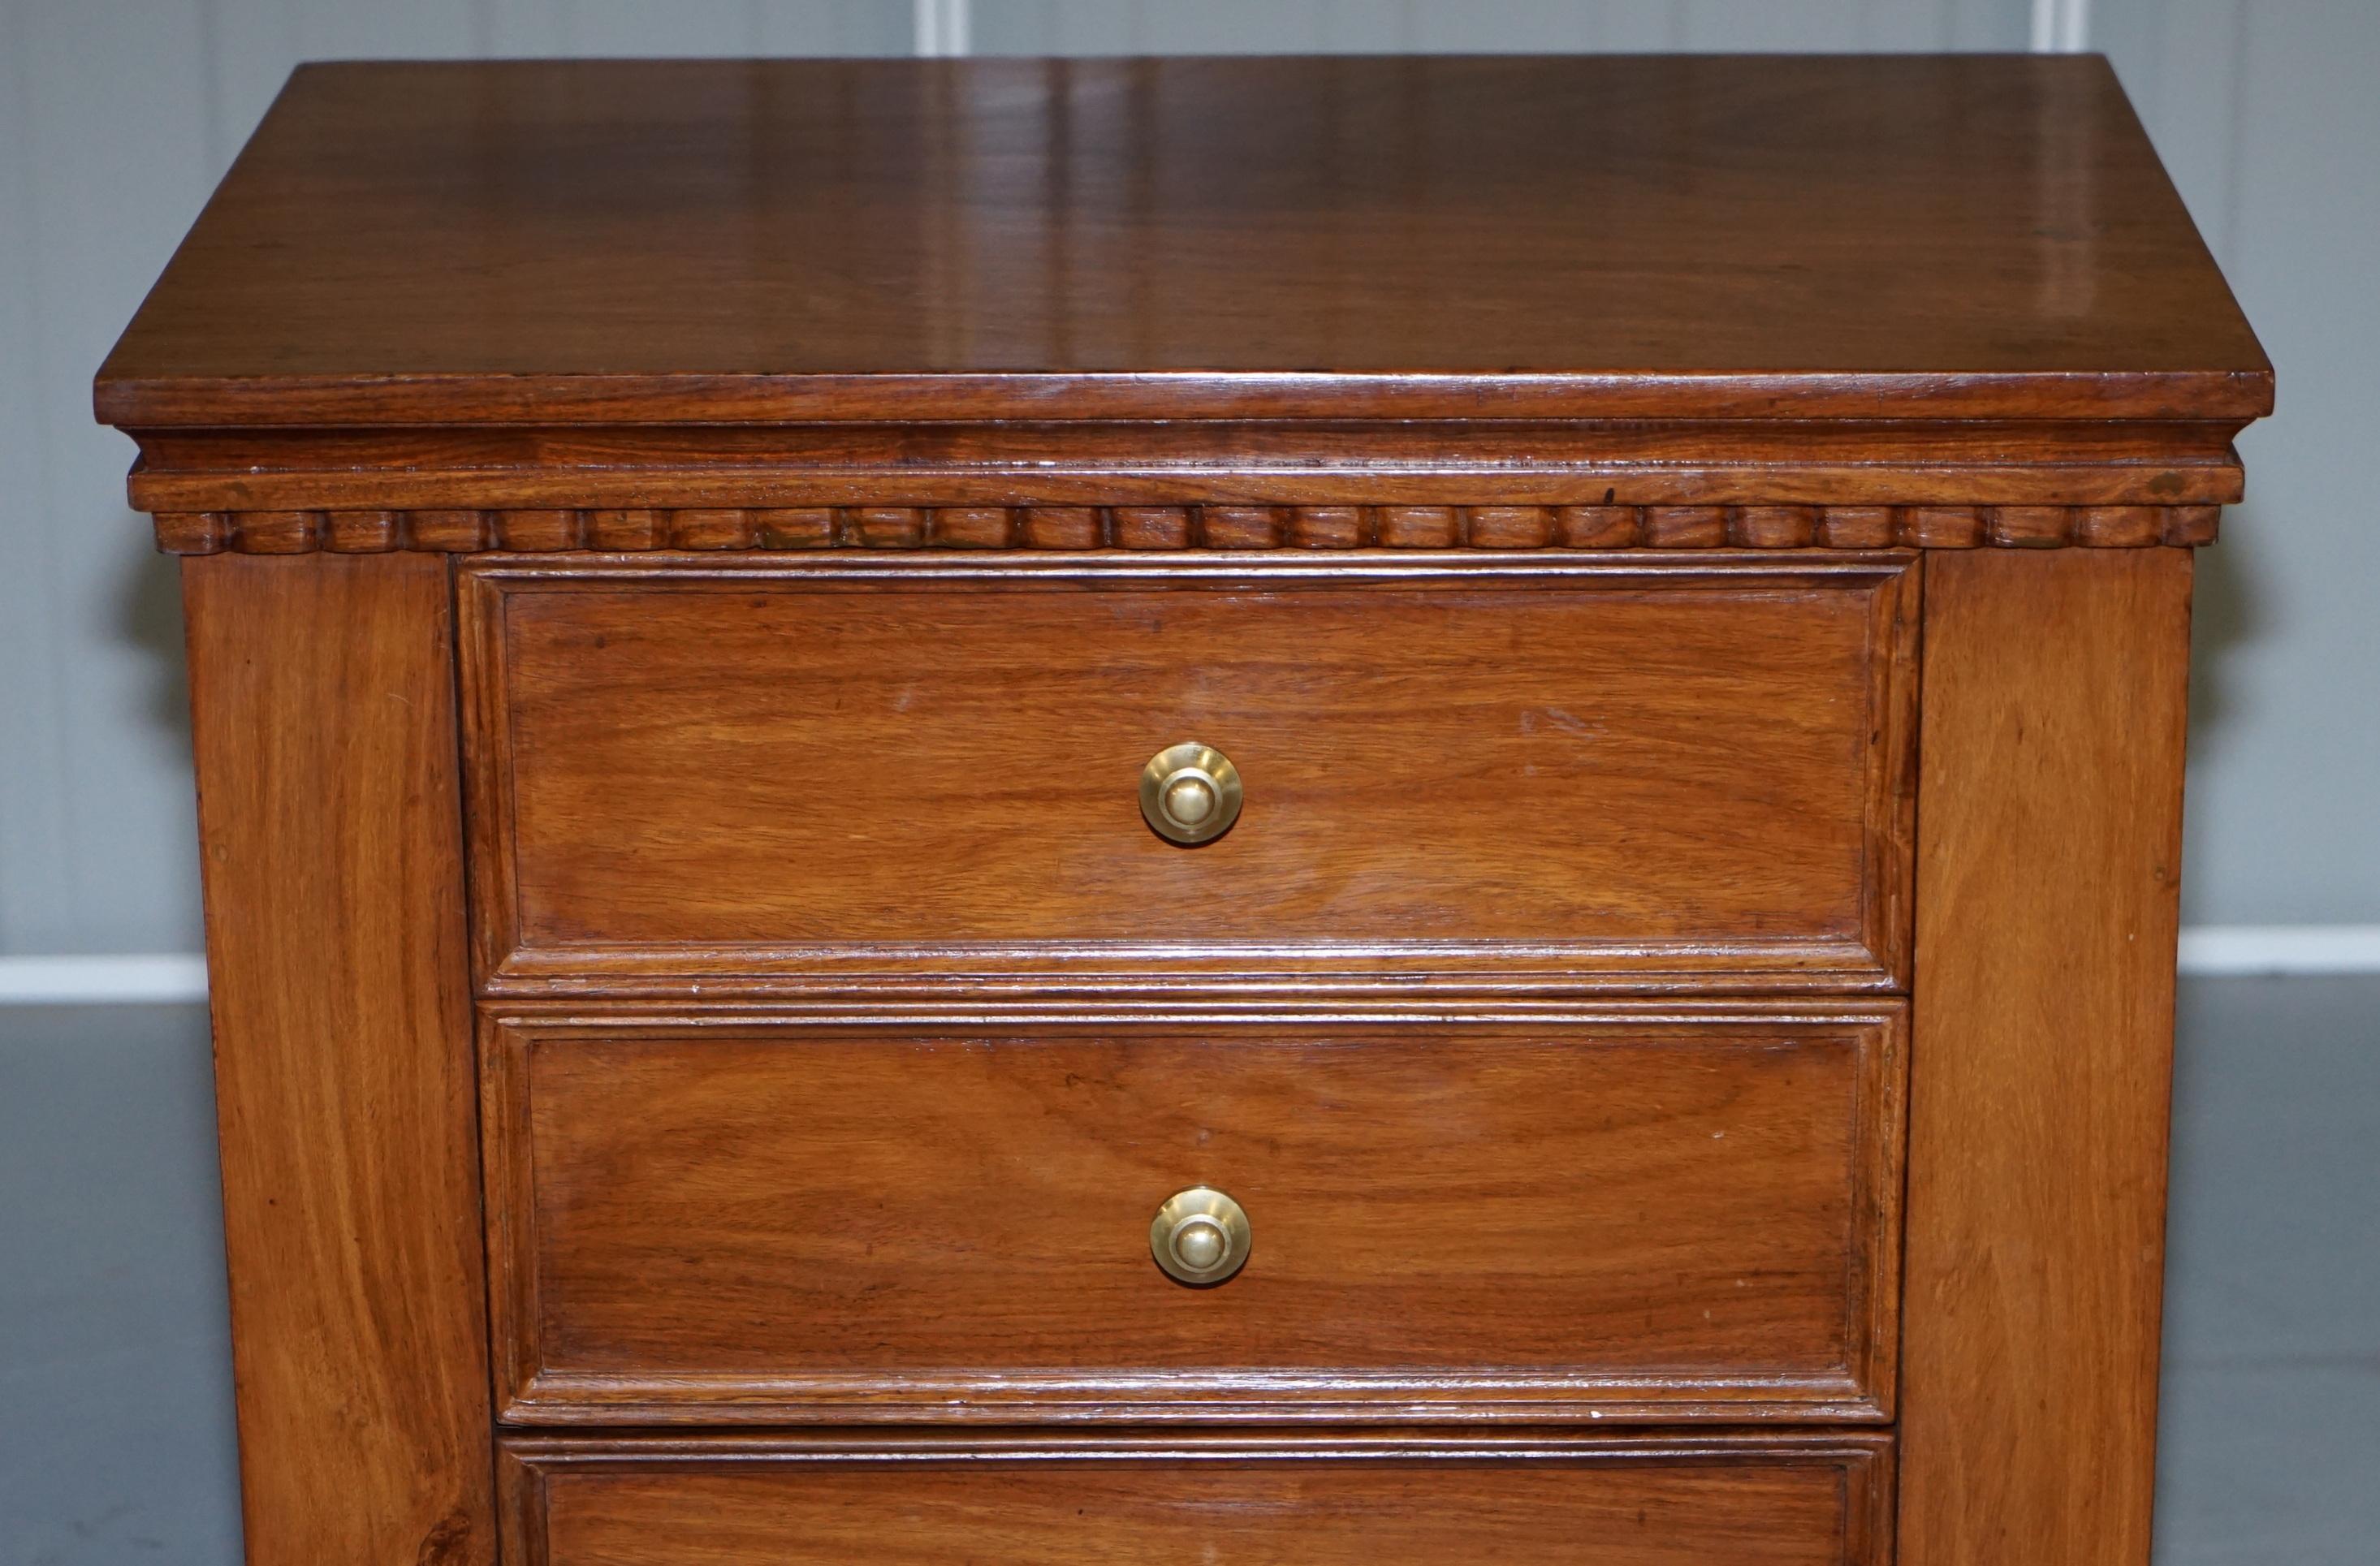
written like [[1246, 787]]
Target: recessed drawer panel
[[1620, 1215], [1572, 766], [1559, 1501]]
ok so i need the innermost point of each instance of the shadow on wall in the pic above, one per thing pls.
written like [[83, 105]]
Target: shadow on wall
[[2228, 612], [149, 616]]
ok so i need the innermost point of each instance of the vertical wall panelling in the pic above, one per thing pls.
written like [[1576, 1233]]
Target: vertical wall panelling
[[2265, 116], [1842, 24], [2061, 27], [33, 856], [103, 116], [2181, 62], [1096, 27], [252, 45], [692, 28], [1523, 25], [942, 28], [114, 126]]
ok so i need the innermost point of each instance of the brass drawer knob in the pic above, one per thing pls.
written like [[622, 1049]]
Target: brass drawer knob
[[1200, 1236], [1190, 792]]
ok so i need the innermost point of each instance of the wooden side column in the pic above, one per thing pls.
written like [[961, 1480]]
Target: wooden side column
[[2049, 827], [323, 692]]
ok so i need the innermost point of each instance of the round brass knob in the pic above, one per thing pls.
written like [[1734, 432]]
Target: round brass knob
[[1200, 1236], [1190, 792]]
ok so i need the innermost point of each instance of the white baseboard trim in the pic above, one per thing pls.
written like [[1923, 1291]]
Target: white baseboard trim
[[2207, 951], [2212, 951], [163, 978]]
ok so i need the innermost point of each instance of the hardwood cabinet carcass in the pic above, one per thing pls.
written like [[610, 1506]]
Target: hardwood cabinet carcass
[[1255, 810]]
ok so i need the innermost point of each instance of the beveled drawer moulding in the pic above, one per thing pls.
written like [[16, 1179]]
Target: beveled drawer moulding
[[1329, 809], [1647, 1216], [1569, 1500], [1582, 769]]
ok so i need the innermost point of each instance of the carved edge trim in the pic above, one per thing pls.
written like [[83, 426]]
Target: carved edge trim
[[1158, 528]]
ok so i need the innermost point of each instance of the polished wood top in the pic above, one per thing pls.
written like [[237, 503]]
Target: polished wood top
[[1698, 237]]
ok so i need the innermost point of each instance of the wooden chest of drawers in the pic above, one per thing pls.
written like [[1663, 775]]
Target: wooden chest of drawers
[[1388, 811]]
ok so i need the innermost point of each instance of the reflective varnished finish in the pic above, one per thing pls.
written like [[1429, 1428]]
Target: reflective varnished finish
[[689, 561], [1470, 765], [1677, 237], [1277, 1500], [1665, 1215]]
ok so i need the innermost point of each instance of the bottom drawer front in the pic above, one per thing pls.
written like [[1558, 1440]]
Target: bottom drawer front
[[1576, 1502], [1612, 1218]]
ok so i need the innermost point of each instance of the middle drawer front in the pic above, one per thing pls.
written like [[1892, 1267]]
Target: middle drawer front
[[1623, 1215]]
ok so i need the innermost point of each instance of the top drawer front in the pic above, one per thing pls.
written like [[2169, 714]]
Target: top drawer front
[[1560, 768]]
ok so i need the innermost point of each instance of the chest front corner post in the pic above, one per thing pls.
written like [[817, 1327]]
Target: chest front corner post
[[2049, 832], [325, 731]]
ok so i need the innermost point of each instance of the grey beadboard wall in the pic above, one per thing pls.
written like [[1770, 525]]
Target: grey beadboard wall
[[117, 116]]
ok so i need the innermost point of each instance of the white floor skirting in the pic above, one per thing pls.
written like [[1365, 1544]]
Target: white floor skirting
[[2214, 949], [156, 980]]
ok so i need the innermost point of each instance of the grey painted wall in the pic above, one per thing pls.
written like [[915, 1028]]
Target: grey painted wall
[[2263, 109], [116, 117], [1224, 27]]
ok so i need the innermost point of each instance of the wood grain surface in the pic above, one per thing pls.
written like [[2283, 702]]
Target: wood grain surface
[[467, 488], [1344, 1501], [1549, 766], [573, 529], [323, 718], [1525, 469], [1965, 235], [2049, 854], [1629, 1216]]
